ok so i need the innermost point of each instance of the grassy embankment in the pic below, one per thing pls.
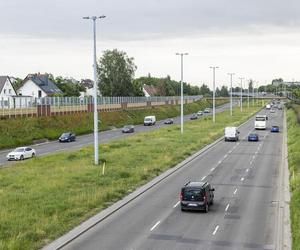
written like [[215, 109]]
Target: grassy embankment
[[42, 198], [293, 121], [24, 131]]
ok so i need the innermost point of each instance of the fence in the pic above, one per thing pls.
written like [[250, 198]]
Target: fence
[[28, 106]]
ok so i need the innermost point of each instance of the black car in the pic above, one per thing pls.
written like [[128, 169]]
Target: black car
[[128, 129], [196, 196], [67, 137], [194, 117], [169, 121]]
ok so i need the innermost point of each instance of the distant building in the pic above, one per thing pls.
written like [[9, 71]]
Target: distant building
[[150, 90], [37, 86], [7, 92]]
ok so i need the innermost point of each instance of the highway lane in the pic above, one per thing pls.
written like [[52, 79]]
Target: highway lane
[[245, 176], [105, 136]]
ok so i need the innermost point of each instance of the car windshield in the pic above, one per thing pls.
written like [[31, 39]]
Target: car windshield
[[252, 135], [193, 194], [148, 119], [65, 134], [19, 150], [127, 127], [260, 119]]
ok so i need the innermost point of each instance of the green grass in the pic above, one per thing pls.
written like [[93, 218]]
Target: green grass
[[24, 131], [293, 118], [43, 198]]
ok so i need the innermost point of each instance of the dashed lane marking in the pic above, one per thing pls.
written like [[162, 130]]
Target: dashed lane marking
[[226, 207], [235, 191], [203, 178], [216, 229], [176, 204], [156, 224]]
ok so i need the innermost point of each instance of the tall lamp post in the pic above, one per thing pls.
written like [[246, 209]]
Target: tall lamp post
[[241, 100], [248, 99], [231, 75], [214, 92], [181, 90], [96, 138]]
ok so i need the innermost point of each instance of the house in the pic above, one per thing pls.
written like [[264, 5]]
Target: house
[[7, 92], [38, 85], [150, 90]]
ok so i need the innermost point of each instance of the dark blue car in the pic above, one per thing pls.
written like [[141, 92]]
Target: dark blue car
[[275, 129], [253, 137]]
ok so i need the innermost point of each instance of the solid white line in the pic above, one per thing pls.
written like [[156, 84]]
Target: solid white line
[[203, 178], [176, 204], [226, 207], [235, 191], [212, 169], [216, 229], [242, 179], [156, 224]]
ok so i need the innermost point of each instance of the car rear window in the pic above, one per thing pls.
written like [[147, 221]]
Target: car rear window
[[193, 195]]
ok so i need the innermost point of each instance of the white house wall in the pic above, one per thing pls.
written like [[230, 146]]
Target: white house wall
[[8, 89], [29, 88]]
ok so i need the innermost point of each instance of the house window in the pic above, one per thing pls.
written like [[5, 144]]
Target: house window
[[39, 94], [4, 91], [9, 91]]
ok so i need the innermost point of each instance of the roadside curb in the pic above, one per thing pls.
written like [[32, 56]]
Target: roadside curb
[[93, 221], [284, 227]]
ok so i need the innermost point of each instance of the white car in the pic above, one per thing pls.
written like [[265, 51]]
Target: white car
[[200, 113], [21, 153]]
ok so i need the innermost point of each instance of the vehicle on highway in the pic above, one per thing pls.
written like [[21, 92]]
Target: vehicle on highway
[[149, 120], [272, 110], [21, 153], [199, 113], [196, 196], [280, 107], [67, 137], [128, 129], [207, 110], [260, 122], [275, 129], [194, 117], [253, 137], [169, 121], [231, 134], [268, 106]]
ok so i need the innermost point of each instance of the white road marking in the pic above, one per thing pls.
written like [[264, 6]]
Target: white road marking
[[230, 151], [226, 207], [251, 162], [203, 178], [216, 229], [242, 179], [176, 204], [247, 170], [235, 191], [253, 156], [219, 162], [156, 224], [212, 169], [225, 156]]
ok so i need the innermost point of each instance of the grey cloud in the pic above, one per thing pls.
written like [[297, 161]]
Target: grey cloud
[[135, 19]]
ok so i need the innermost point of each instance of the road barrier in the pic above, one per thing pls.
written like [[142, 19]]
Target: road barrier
[[22, 106]]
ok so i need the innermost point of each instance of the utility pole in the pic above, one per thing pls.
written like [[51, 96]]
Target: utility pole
[[96, 138], [214, 92], [231, 75], [181, 90], [248, 93], [241, 99]]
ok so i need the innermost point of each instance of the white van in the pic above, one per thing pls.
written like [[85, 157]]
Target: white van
[[268, 106], [231, 134], [260, 122], [149, 120]]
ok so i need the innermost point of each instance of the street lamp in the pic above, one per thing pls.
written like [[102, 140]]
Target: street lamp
[[214, 95], [181, 90], [241, 99], [248, 93], [231, 75], [96, 139]]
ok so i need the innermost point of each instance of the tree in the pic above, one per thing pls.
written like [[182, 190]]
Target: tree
[[204, 90], [17, 83], [250, 85], [116, 73], [224, 91]]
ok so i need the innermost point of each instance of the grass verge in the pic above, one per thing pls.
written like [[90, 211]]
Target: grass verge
[[43, 198], [25, 131], [293, 119]]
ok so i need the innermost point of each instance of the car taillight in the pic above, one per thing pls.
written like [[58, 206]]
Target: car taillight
[[205, 198], [181, 196]]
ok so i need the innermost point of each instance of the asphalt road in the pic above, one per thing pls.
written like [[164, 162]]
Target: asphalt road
[[244, 214], [104, 137]]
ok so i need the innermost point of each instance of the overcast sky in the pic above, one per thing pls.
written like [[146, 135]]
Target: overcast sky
[[258, 39]]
